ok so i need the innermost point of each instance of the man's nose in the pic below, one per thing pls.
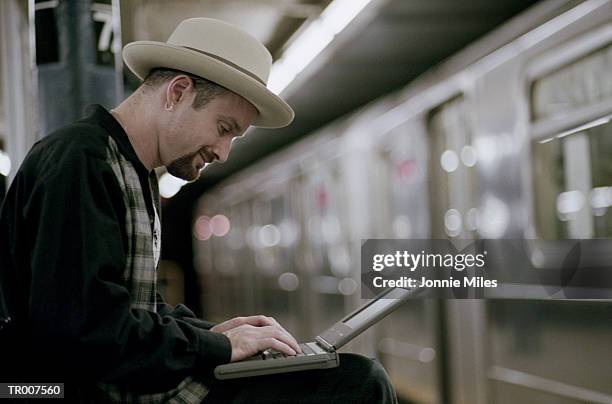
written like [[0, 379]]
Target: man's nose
[[222, 150]]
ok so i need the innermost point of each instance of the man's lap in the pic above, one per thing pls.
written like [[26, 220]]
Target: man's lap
[[357, 379]]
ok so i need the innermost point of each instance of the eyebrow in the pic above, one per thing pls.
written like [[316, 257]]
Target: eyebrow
[[233, 122]]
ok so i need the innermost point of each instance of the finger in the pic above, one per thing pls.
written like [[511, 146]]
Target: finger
[[262, 321], [294, 344], [279, 334], [273, 320], [228, 324], [274, 343], [257, 321]]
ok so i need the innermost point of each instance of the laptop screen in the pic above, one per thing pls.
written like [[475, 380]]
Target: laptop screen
[[356, 322], [377, 307]]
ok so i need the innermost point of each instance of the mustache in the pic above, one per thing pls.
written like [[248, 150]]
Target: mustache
[[207, 155]]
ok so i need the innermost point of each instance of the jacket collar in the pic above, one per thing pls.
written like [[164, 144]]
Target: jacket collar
[[99, 115]]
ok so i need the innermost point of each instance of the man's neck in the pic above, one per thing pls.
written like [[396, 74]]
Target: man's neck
[[140, 130]]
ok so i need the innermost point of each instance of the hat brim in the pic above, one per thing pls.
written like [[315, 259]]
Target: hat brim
[[143, 56]]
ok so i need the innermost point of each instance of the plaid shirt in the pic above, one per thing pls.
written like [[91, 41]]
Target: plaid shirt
[[140, 274]]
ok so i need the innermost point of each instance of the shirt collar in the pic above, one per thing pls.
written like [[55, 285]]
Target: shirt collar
[[99, 114]]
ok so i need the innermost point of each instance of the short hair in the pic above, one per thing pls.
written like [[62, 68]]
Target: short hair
[[205, 90]]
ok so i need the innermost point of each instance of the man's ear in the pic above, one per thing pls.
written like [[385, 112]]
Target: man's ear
[[178, 89]]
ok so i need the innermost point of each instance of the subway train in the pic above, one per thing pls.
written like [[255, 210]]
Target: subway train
[[509, 138]]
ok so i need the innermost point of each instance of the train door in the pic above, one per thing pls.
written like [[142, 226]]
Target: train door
[[453, 184], [326, 256], [454, 214], [407, 341]]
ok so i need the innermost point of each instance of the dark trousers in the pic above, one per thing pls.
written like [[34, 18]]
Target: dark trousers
[[356, 380]]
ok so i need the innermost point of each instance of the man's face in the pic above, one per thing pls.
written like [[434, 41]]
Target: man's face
[[194, 138]]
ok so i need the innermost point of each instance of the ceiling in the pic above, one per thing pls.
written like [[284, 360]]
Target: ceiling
[[273, 22]]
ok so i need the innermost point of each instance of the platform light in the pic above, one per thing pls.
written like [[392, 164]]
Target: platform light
[[288, 281], [219, 225], [269, 235], [202, 229], [493, 217], [469, 156], [169, 185], [547, 140], [5, 164], [347, 286], [312, 41], [581, 128], [452, 222], [590, 125], [299, 55], [570, 202], [449, 161], [601, 200]]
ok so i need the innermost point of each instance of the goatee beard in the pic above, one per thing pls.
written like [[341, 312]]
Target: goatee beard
[[183, 168]]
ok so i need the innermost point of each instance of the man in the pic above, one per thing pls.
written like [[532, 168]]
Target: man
[[80, 237]]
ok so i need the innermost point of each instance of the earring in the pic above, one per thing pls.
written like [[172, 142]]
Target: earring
[[169, 107]]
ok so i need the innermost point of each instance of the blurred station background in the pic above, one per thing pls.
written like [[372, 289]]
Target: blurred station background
[[414, 119]]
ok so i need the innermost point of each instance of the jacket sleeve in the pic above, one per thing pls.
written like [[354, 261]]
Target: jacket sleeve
[[79, 305], [182, 312]]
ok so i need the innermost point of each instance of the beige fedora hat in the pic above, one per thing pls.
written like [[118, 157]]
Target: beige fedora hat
[[221, 53]]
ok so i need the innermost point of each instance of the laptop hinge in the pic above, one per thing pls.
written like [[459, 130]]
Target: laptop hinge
[[324, 344]]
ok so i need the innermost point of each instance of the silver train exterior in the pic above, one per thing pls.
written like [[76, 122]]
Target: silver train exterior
[[510, 138]]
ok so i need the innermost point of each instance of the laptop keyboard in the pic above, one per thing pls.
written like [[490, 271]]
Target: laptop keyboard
[[274, 354]]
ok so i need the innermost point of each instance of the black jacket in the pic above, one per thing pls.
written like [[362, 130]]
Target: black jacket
[[62, 252]]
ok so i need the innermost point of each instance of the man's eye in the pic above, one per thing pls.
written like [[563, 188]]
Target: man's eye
[[224, 130]]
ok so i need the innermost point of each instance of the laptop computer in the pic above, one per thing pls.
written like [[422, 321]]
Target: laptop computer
[[322, 352]]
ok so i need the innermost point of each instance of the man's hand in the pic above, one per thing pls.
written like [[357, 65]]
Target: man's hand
[[249, 335]]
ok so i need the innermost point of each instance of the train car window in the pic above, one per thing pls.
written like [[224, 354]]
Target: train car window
[[399, 176], [572, 170], [583, 83], [453, 186]]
